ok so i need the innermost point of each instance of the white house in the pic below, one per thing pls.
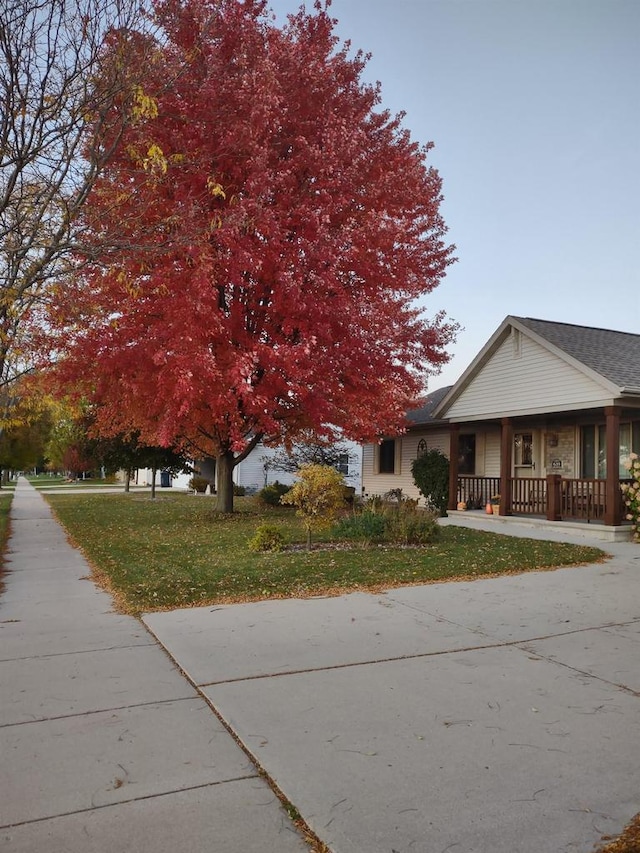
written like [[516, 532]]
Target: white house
[[256, 471], [545, 416]]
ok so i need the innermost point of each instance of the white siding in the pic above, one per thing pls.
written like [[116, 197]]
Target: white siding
[[530, 380], [492, 454], [374, 483], [252, 474], [144, 477]]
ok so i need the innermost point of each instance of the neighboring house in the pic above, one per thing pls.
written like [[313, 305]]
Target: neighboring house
[[255, 471], [387, 465], [545, 416]]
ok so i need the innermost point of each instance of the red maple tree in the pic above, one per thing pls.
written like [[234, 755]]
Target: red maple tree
[[271, 229]]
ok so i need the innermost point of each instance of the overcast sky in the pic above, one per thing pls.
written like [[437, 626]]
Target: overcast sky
[[534, 109]]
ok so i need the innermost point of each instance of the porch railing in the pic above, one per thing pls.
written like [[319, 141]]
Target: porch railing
[[529, 495], [583, 499], [476, 492]]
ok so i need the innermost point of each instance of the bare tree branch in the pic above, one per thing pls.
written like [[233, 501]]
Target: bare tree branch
[[63, 106]]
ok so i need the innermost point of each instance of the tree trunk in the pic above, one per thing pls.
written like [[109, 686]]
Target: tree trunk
[[225, 463], [154, 471], [127, 480]]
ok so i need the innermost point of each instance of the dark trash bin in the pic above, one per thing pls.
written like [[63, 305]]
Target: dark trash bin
[[165, 479]]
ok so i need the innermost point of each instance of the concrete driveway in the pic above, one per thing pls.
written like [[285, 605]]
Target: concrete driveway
[[499, 716]]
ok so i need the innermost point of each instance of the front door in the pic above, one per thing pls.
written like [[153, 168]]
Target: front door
[[524, 454]]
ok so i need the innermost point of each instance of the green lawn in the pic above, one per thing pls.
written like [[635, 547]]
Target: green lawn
[[175, 552], [5, 505], [45, 481]]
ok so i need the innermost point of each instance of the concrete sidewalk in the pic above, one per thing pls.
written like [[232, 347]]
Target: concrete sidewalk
[[498, 716], [105, 745]]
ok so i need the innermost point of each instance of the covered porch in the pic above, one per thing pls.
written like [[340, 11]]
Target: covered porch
[[553, 495]]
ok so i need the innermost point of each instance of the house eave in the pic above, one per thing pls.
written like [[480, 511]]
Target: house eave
[[414, 425], [535, 411]]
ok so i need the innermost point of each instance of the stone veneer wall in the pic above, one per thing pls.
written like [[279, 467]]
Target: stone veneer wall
[[564, 451]]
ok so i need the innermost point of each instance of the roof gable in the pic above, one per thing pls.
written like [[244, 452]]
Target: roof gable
[[562, 366], [613, 355]]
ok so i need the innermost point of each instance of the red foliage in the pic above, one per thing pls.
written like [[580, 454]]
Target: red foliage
[[76, 461], [271, 229]]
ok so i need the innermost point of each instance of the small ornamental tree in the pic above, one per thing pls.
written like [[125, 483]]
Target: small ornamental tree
[[431, 475], [273, 229], [318, 497]]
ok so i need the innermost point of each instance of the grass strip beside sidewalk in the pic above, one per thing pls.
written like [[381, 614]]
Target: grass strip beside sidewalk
[[5, 505], [175, 551]]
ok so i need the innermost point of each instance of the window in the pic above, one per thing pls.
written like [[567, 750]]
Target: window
[[387, 456], [591, 439], [523, 445], [467, 454], [594, 449], [342, 465]]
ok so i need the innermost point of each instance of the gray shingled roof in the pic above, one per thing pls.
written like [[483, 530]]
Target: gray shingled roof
[[614, 355], [424, 414]]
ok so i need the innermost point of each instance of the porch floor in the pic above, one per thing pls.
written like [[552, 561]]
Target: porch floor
[[594, 530]]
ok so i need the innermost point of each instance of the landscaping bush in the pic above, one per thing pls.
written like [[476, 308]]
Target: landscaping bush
[[631, 495], [364, 527], [239, 491], [431, 476], [199, 484], [271, 494], [349, 494], [407, 525], [268, 537], [393, 523], [375, 503]]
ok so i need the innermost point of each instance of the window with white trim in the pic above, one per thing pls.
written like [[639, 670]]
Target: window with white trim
[[593, 448], [387, 456]]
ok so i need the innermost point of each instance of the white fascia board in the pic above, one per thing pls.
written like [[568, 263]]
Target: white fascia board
[[538, 410]]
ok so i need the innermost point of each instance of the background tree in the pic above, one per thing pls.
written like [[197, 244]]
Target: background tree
[[65, 69], [22, 447], [281, 228], [309, 449], [126, 453], [26, 419], [69, 448]]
